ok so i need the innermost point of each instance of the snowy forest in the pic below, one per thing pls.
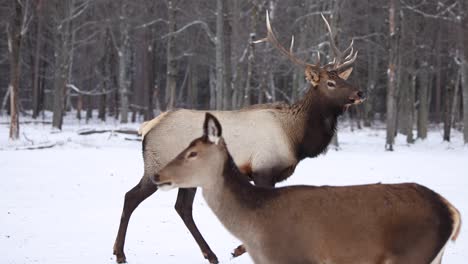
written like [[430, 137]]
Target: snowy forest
[[130, 60], [80, 79]]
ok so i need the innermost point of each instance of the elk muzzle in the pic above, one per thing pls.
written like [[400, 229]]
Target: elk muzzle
[[357, 98]]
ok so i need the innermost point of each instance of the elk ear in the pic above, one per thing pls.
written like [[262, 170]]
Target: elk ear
[[312, 76], [345, 74], [212, 128]]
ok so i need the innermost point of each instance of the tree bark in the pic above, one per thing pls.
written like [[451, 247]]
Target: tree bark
[[124, 54], [219, 54], [447, 113], [212, 84], [171, 63], [455, 100], [14, 45], [438, 81], [463, 55], [228, 86], [423, 106], [410, 105], [237, 44], [62, 44], [36, 95], [394, 11]]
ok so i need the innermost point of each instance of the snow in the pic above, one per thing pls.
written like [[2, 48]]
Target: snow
[[63, 204]]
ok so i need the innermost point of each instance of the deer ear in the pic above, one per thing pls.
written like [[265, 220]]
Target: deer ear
[[212, 128], [312, 76], [345, 74]]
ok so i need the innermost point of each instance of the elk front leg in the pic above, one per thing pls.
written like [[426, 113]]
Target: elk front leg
[[183, 207], [133, 198]]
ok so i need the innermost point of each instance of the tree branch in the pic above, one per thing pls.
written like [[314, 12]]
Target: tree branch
[[204, 25]]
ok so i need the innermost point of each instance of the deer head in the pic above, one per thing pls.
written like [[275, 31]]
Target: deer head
[[196, 166], [329, 79]]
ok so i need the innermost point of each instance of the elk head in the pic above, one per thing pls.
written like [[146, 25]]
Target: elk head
[[196, 166], [329, 79]]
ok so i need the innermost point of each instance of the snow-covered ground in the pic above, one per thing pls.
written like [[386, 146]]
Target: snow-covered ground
[[62, 204]]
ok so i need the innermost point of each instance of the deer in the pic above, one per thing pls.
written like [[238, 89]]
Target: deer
[[267, 141], [374, 223]]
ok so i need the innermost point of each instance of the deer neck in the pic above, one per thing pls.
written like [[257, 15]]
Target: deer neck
[[235, 201], [315, 119]]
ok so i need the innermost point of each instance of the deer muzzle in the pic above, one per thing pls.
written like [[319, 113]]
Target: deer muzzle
[[162, 184]]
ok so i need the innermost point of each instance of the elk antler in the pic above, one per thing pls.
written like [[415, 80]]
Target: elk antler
[[273, 40], [337, 63]]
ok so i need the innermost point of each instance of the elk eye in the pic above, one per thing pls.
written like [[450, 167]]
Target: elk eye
[[192, 154], [331, 84]]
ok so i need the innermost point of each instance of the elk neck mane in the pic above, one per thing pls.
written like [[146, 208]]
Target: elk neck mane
[[313, 125]]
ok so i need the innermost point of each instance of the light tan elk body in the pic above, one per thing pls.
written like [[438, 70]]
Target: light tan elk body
[[267, 141], [378, 223]]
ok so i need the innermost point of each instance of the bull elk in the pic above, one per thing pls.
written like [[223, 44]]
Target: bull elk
[[266, 141], [376, 223]]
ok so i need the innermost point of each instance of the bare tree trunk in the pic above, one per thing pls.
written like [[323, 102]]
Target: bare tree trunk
[[171, 63], [219, 54], [372, 66], [62, 42], [250, 64], [89, 107], [447, 113], [148, 77], [236, 55], [79, 106], [192, 92], [455, 100], [423, 106], [405, 107], [394, 11], [124, 61], [438, 82], [36, 72], [464, 67], [212, 84], [14, 45], [228, 86], [251, 56], [410, 105]]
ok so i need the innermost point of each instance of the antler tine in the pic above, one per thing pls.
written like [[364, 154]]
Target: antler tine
[[292, 45], [318, 59], [272, 39], [336, 51], [330, 64], [347, 62], [350, 47], [349, 55]]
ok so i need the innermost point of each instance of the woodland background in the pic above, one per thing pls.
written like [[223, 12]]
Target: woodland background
[[130, 60]]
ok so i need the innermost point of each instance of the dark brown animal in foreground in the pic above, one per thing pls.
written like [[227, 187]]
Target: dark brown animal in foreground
[[377, 223], [266, 141]]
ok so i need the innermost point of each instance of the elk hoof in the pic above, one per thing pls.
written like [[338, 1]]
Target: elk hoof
[[211, 257], [239, 251], [120, 257]]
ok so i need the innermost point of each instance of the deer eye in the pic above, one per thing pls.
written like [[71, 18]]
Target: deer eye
[[331, 84], [192, 154]]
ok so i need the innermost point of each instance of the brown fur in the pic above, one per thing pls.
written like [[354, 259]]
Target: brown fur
[[375, 223]]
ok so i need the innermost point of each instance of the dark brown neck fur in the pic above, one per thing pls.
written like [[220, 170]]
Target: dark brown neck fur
[[245, 193], [319, 115]]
